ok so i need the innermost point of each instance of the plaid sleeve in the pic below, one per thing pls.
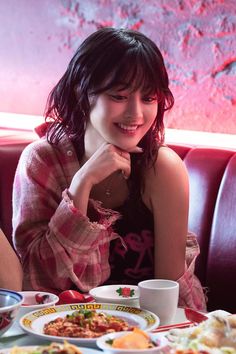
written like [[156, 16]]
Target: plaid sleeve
[[60, 248], [191, 292]]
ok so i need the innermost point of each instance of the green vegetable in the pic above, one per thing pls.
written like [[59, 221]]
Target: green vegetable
[[109, 341], [80, 313]]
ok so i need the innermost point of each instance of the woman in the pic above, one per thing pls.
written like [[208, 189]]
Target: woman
[[100, 198], [10, 267]]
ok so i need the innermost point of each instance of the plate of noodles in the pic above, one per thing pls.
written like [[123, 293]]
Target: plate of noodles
[[54, 348], [85, 322]]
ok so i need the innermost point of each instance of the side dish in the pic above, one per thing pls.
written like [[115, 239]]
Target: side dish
[[137, 339], [38, 299], [86, 324], [217, 335]]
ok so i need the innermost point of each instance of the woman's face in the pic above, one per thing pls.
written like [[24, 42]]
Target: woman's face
[[121, 117]]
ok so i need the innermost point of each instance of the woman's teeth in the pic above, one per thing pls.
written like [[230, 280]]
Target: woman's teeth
[[130, 128]]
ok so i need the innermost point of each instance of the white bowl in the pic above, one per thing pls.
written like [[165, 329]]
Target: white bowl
[[30, 302], [103, 343], [118, 294], [10, 302]]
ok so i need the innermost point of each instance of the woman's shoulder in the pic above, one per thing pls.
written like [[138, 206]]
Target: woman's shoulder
[[38, 144], [42, 148], [39, 147], [168, 161], [168, 172]]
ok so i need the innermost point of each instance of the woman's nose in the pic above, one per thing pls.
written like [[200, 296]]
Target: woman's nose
[[134, 108]]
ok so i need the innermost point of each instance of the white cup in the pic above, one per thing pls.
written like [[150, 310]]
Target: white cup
[[160, 296]]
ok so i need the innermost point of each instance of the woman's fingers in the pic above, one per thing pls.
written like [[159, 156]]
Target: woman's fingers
[[136, 150], [125, 165], [108, 159]]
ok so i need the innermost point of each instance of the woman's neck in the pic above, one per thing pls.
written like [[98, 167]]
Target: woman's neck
[[92, 142]]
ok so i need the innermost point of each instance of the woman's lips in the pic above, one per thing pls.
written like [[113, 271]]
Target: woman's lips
[[128, 129]]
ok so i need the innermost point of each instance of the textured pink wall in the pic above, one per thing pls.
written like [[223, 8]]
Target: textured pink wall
[[197, 39]]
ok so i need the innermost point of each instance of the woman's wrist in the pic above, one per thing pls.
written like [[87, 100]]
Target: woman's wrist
[[79, 192]]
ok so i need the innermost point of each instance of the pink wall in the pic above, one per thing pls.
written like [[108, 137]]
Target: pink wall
[[197, 39]]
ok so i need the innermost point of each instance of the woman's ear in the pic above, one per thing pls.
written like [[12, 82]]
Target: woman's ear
[[92, 99]]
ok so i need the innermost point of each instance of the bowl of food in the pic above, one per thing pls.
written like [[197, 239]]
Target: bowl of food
[[214, 335], [132, 342], [36, 300], [10, 302], [117, 294]]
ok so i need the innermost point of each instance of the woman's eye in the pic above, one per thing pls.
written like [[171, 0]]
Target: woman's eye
[[118, 97], [149, 99]]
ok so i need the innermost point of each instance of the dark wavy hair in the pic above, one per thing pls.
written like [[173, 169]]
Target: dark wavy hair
[[109, 57]]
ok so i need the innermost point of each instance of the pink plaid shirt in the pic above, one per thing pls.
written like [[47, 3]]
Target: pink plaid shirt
[[59, 247]]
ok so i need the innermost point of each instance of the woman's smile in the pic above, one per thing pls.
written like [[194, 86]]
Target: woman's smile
[[121, 120], [130, 129]]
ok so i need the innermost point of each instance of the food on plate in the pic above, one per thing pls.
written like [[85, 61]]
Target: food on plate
[[217, 335], [41, 299], [137, 339], [86, 324], [38, 299], [53, 348]]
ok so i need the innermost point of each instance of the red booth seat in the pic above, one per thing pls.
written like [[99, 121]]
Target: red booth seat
[[212, 216]]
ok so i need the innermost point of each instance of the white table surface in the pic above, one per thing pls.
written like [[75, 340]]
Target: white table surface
[[7, 342]]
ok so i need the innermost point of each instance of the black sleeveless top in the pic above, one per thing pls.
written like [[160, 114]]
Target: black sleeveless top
[[136, 227]]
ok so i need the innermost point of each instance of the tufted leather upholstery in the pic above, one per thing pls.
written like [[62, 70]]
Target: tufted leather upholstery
[[212, 216]]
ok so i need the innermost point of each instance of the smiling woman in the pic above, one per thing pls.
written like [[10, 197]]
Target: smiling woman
[[100, 198], [123, 116]]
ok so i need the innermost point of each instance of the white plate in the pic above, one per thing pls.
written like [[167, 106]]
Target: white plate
[[33, 322], [159, 338], [34, 347], [117, 294]]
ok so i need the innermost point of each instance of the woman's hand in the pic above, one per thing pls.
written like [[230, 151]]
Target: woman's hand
[[105, 161]]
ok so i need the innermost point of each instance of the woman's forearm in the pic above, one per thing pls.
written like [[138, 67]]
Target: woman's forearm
[[79, 192]]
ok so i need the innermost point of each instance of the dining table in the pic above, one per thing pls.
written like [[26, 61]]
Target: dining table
[[16, 336]]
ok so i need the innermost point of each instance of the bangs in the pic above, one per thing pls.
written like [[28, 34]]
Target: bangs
[[136, 71]]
